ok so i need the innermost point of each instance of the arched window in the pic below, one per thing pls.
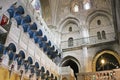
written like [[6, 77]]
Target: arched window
[[75, 6], [86, 4], [103, 34], [70, 42], [98, 22], [99, 35], [70, 29]]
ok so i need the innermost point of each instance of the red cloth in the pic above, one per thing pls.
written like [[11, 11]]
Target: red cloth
[[4, 20]]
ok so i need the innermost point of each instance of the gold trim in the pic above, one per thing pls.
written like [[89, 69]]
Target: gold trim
[[101, 53]]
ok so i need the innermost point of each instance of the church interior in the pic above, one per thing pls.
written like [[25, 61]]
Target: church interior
[[59, 39]]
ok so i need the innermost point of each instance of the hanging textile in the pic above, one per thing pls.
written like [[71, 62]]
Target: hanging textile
[[4, 20]]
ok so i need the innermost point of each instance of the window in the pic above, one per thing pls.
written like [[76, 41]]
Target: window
[[86, 4], [99, 22], [70, 29], [70, 42], [99, 35], [76, 8], [103, 35]]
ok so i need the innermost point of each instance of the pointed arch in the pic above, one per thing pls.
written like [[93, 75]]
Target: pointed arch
[[67, 58], [96, 13], [12, 47], [115, 54], [67, 20]]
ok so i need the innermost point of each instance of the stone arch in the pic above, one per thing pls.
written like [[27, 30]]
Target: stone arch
[[67, 58], [12, 45], [93, 14], [115, 54], [66, 21], [99, 19], [22, 53]]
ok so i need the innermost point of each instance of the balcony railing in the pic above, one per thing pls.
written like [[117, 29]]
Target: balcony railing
[[88, 41], [101, 75]]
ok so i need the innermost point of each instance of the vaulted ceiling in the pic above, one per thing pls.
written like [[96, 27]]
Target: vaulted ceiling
[[56, 11]]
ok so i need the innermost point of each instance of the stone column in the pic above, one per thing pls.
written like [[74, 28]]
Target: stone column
[[84, 48], [85, 58]]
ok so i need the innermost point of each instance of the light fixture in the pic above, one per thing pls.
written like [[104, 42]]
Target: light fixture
[[102, 61]]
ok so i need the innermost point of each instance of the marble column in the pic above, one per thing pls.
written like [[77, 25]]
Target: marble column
[[85, 40], [85, 58]]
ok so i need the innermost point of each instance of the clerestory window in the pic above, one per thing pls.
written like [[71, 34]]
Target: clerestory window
[[86, 4]]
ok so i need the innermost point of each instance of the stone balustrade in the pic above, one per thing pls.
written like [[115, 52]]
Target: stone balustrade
[[101, 75]]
